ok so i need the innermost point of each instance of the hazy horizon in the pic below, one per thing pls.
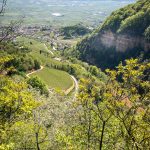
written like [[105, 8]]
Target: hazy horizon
[[62, 12]]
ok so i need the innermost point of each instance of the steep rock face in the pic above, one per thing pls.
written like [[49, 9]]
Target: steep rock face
[[125, 34], [123, 42]]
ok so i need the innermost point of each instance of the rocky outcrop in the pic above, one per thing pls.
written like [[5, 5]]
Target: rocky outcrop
[[122, 42], [107, 49]]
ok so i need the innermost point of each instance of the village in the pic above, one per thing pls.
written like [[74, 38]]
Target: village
[[48, 34]]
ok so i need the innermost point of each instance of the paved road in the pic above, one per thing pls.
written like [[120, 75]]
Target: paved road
[[76, 86]]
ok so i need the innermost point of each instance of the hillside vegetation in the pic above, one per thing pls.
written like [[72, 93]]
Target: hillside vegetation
[[105, 115], [133, 19], [106, 110], [124, 34], [74, 31]]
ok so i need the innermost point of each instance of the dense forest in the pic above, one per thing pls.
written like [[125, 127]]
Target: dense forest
[[124, 34], [106, 110], [74, 31]]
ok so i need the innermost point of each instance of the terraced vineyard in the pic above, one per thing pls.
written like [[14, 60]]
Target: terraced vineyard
[[56, 79]]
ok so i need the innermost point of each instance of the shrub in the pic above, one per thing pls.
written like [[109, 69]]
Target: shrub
[[38, 84], [36, 64]]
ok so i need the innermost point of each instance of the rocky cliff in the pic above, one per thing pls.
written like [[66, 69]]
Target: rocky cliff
[[125, 34], [122, 42]]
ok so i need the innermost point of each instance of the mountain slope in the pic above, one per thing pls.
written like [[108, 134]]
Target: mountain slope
[[125, 34]]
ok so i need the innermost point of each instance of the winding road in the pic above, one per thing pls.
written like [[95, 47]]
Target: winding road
[[76, 85], [42, 67]]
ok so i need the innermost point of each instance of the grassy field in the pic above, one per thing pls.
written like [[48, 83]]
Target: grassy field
[[55, 78]]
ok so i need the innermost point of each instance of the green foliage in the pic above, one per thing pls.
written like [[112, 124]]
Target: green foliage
[[105, 115], [132, 19], [38, 131], [135, 24], [37, 64], [39, 85], [94, 70], [112, 115], [15, 99], [22, 61], [74, 31], [16, 104], [3, 61], [24, 64], [38, 51]]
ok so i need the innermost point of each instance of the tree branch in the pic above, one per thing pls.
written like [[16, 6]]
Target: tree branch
[[2, 7]]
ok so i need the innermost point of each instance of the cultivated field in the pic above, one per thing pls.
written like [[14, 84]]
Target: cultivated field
[[61, 12], [55, 78]]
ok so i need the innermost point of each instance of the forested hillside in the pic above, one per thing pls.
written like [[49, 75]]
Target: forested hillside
[[124, 34], [74, 31], [50, 100]]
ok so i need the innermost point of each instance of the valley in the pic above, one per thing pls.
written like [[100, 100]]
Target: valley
[[51, 12], [75, 75]]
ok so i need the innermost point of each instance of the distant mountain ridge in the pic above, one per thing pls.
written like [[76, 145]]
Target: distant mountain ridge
[[125, 34]]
